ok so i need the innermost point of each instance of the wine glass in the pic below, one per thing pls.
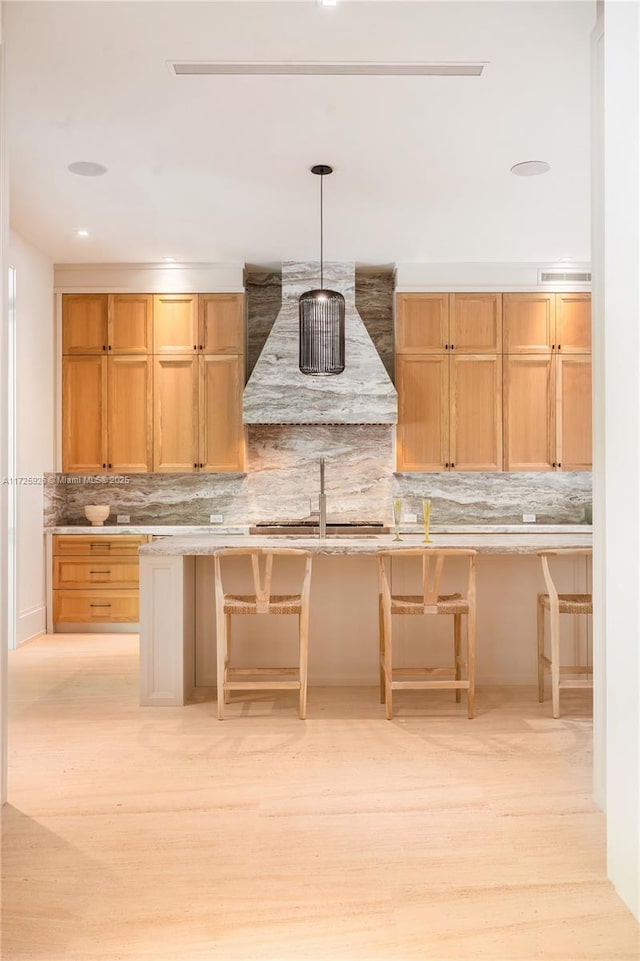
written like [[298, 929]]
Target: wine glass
[[426, 516], [397, 517]]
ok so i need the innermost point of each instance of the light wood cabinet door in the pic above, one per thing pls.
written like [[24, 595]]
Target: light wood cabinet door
[[130, 323], [175, 414], [422, 433], [84, 323], [529, 412], [222, 434], [86, 606], [475, 325], [529, 323], [476, 412], [175, 323], [422, 323], [573, 411], [221, 323], [130, 413], [84, 421], [573, 323]]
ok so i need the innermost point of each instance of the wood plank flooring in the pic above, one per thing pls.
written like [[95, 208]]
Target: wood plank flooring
[[162, 834]]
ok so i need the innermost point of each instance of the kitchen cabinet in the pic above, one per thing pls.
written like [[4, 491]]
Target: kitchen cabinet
[[448, 378], [449, 412], [547, 323], [95, 578], [435, 323], [198, 413], [199, 323], [103, 323], [547, 400], [547, 381], [106, 413]]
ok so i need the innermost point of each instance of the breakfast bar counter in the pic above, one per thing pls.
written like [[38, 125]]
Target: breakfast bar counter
[[177, 637]]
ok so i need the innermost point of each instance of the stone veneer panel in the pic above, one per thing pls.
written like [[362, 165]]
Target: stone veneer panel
[[284, 475], [264, 300], [278, 393], [374, 303]]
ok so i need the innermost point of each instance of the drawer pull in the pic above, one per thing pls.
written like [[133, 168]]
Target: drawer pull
[[99, 572], [101, 547], [99, 605]]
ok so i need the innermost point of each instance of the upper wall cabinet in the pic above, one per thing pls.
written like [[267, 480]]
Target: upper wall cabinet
[[198, 323], [103, 323], [539, 323], [432, 323], [175, 323], [84, 323], [221, 324]]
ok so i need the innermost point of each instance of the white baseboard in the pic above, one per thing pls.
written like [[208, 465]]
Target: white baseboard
[[31, 623]]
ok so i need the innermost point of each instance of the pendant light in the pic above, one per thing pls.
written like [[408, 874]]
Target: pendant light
[[321, 317]]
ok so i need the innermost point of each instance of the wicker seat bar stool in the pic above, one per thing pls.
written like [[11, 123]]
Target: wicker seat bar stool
[[430, 601], [558, 604], [261, 602]]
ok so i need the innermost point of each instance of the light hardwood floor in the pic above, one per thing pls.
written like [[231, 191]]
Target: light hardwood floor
[[161, 834]]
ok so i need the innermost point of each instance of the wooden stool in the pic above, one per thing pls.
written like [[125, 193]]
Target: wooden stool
[[262, 601], [429, 602], [558, 604]]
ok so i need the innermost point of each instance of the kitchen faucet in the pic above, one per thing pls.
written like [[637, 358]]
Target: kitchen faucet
[[322, 503]]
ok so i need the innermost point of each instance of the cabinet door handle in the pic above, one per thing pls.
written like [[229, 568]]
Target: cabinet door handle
[[554, 464], [195, 466], [195, 346], [559, 464], [559, 346], [104, 346], [553, 346], [110, 347], [446, 346], [453, 346], [452, 464]]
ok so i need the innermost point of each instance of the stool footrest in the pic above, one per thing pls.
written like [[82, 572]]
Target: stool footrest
[[587, 685], [421, 685], [261, 685], [272, 671]]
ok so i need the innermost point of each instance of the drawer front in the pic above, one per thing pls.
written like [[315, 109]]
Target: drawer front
[[77, 572], [84, 607], [84, 545]]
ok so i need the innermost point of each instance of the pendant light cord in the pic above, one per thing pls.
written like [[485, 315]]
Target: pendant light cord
[[321, 235]]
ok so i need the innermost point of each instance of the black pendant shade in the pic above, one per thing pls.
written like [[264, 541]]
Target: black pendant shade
[[321, 318]]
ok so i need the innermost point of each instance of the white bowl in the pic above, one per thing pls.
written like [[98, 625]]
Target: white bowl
[[97, 513]]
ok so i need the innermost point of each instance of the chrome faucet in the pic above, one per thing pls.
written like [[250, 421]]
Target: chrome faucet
[[322, 503]]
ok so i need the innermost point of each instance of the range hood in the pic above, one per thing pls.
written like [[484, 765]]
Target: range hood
[[278, 393]]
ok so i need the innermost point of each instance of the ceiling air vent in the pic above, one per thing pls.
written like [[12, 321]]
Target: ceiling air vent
[[564, 276], [324, 69]]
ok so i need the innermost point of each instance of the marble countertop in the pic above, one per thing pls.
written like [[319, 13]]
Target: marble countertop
[[484, 543], [161, 530]]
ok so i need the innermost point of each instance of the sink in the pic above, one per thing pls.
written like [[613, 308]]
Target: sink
[[312, 529]]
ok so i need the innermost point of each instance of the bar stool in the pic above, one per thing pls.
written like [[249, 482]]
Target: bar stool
[[261, 601], [430, 601], [558, 604]]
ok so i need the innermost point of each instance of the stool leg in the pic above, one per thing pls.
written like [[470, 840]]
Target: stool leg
[[388, 662], [381, 642], [471, 660], [540, 650], [221, 653], [227, 660], [457, 625], [555, 659], [303, 627]]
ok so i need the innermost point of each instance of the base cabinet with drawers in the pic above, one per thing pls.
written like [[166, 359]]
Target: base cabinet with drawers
[[95, 578]]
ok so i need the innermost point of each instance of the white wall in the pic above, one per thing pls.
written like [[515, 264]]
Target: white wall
[[622, 444], [35, 425]]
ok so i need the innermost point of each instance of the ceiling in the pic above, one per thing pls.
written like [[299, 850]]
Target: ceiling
[[216, 169]]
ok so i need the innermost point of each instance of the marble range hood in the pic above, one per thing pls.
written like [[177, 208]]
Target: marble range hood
[[278, 393]]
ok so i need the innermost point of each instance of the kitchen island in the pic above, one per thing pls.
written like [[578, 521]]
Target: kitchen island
[[177, 637]]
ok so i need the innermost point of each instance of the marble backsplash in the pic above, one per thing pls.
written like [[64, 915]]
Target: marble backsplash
[[283, 477]]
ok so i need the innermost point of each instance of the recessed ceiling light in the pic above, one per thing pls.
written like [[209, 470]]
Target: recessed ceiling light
[[169, 260], [82, 232], [328, 3], [530, 168], [86, 168]]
